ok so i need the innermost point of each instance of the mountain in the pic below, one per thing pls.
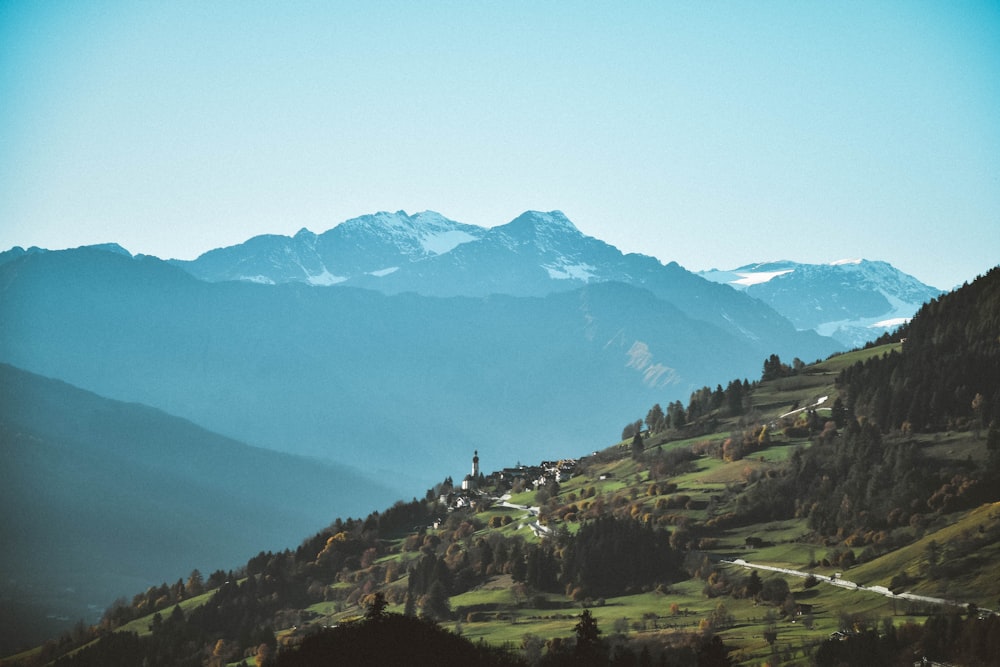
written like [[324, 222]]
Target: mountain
[[533, 255], [536, 254], [102, 499], [794, 521], [370, 246], [852, 301], [396, 384]]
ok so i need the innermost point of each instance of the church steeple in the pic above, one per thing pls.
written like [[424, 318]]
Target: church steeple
[[475, 464]]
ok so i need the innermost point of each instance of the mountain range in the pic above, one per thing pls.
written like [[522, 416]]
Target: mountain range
[[540, 253], [348, 374], [852, 301], [384, 349], [388, 325], [842, 532]]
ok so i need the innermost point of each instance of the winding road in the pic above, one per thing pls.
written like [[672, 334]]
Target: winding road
[[844, 583], [538, 529]]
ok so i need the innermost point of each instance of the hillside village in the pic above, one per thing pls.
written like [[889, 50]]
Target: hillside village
[[479, 490]]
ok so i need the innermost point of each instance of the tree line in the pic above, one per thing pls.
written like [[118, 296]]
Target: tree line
[[729, 402], [947, 375]]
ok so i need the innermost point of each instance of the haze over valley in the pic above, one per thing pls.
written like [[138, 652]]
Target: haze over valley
[[704, 287], [526, 338]]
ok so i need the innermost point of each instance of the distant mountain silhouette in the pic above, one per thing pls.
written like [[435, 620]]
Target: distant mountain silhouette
[[102, 499], [399, 385]]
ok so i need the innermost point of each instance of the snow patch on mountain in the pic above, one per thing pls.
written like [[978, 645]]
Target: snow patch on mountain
[[758, 274], [325, 278], [860, 330], [890, 323], [751, 274], [260, 280], [563, 270], [850, 300], [747, 279], [425, 233], [445, 241], [381, 273]]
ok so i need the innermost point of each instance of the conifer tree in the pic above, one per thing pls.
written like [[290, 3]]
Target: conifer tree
[[638, 447]]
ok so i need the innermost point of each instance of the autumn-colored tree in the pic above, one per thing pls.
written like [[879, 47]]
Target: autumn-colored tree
[[720, 618], [264, 656], [376, 605], [221, 654], [195, 585]]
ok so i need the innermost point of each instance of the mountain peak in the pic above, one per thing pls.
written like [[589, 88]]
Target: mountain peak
[[110, 247], [860, 298], [541, 219], [401, 220], [427, 233]]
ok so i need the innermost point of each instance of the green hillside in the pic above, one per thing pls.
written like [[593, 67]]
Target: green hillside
[[772, 522]]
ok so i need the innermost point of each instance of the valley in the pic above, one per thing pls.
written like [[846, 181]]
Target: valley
[[876, 466], [812, 590]]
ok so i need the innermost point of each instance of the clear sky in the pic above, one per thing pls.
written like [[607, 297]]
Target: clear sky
[[713, 134]]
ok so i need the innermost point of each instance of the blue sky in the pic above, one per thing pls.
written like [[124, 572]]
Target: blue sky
[[713, 134]]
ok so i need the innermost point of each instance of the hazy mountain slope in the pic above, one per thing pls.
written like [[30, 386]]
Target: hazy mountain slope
[[774, 503], [852, 301], [102, 498], [627, 484], [397, 384], [536, 254]]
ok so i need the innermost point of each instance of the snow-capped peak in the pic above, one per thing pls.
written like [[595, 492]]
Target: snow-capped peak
[[747, 279], [551, 220], [427, 232], [438, 235], [848, 299]]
